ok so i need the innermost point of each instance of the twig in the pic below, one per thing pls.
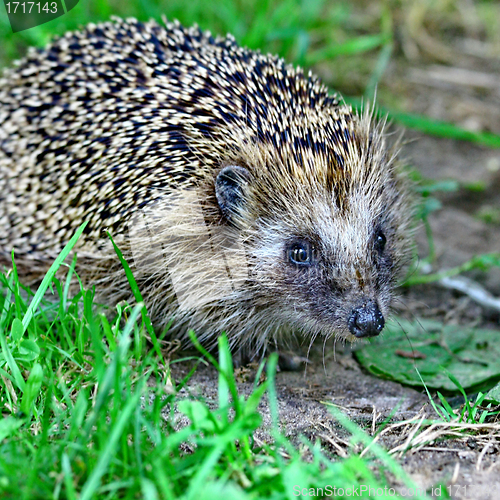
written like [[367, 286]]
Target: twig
[[472, 289]]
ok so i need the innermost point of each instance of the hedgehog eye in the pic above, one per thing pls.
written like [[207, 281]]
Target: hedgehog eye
[[380, 241], [300, 253]]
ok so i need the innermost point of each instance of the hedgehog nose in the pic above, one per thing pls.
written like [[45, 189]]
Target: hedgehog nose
[[366, 320]]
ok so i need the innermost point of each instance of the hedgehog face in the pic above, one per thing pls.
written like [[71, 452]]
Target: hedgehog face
[[320, 267], [334, 284], [335, 292]]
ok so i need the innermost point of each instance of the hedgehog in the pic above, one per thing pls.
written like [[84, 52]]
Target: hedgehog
[[246, 197]]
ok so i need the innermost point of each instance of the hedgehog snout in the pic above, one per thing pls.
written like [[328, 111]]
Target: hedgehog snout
[[366, 320]]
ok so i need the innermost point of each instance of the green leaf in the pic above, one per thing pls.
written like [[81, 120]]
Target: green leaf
[[199, 414], [493, 395], [427, 206], [254, 399], [28, 350], [432, 186], [17, 330], [8, 426], [471, 356]]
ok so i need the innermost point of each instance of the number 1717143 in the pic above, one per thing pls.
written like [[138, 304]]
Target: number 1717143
[[31, 7]]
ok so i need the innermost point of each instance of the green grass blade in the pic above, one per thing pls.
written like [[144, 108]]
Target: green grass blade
[[67, 283], [32, 389], [432, 126], [68, 478], [352, 46], [382, 63], [6, 302], [389, 462], [440, 128], [93, 482], [448, 415], [48, 277], [148, 490], [138, 297], [106, 384], [11, 362], [272, 364], [223, 440], [227, 383], [483, 261]]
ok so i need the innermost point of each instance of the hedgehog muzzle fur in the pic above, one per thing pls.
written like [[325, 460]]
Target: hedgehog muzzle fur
[[246, 198]]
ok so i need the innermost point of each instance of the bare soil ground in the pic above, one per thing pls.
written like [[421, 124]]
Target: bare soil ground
[[470, 466]]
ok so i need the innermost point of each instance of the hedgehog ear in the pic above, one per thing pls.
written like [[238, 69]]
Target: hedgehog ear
[[230, 189]]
